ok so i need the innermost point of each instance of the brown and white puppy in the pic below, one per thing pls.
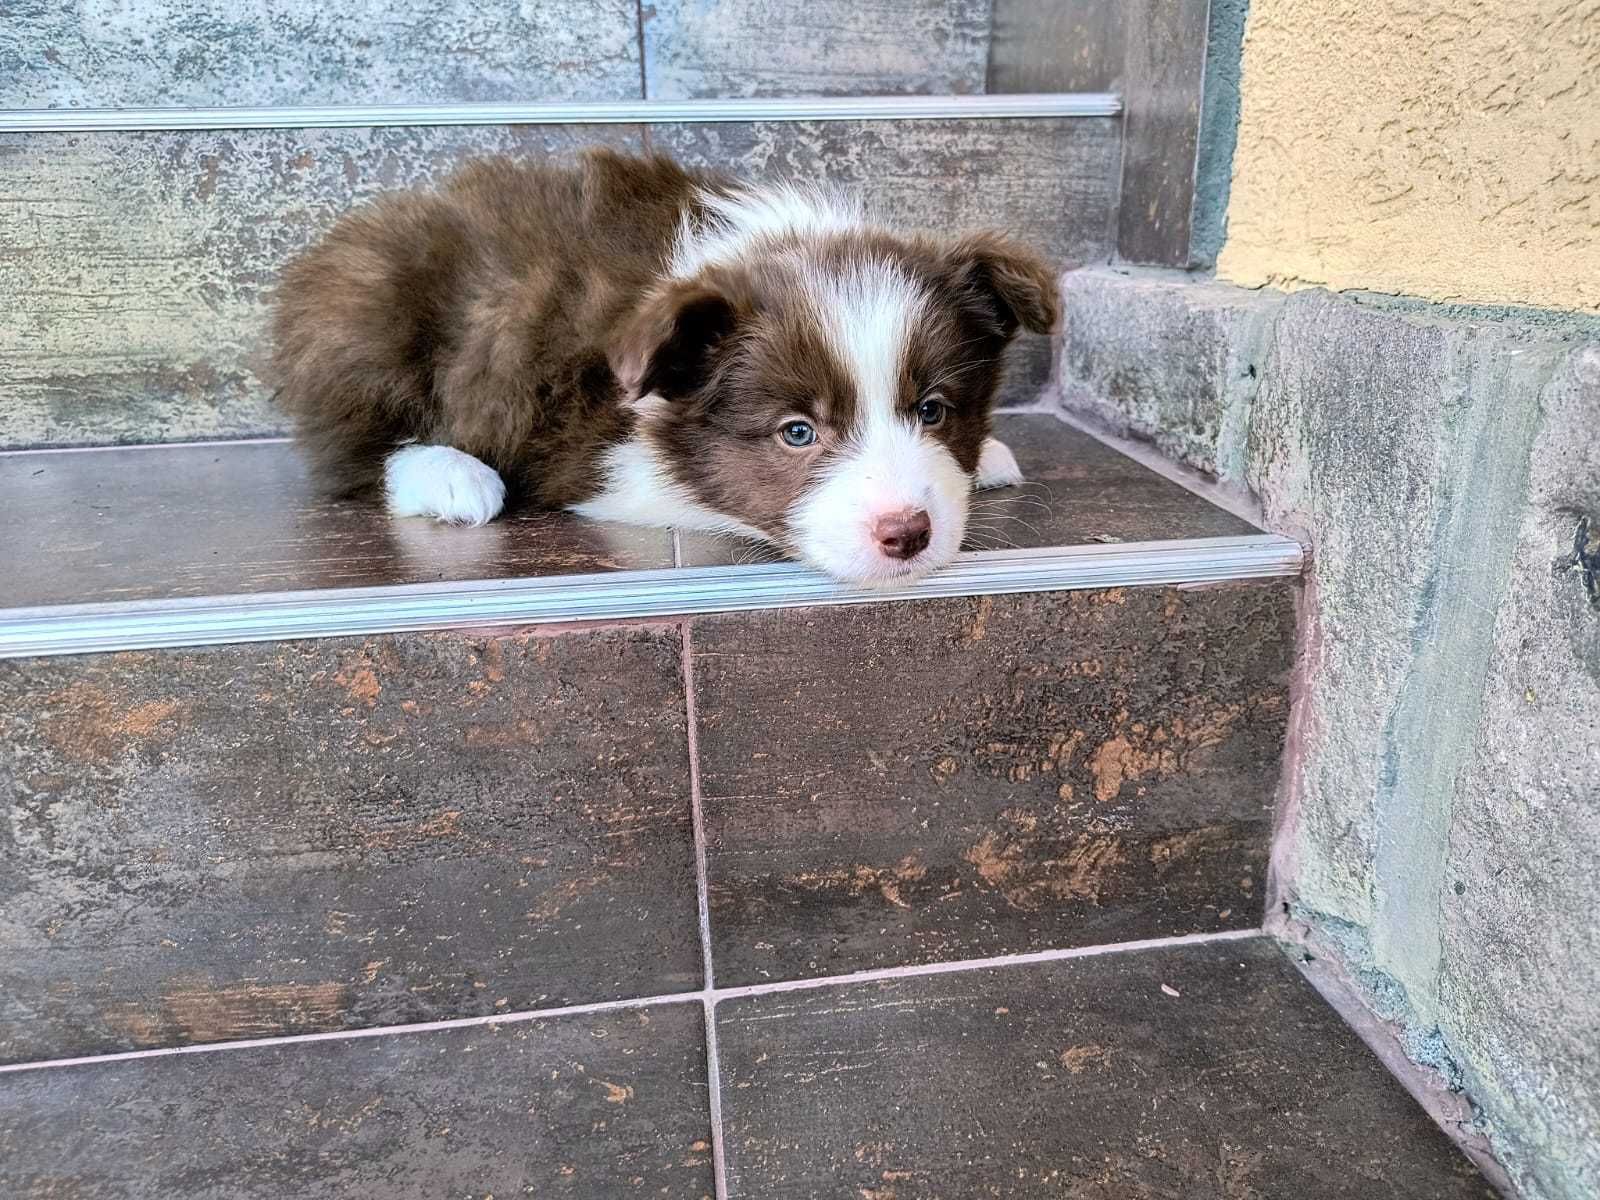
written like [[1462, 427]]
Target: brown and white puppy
[[637, 342]]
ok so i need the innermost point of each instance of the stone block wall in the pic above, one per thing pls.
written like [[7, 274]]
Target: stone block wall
[[1440, 809]]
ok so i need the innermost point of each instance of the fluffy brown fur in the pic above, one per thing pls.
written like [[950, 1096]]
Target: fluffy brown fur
[[479, 316], [527, 315]]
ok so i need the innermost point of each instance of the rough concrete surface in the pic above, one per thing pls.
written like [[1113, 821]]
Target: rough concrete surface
[[1193, 397], [1219, 128], [1442, 799], [138, 267], [695, 48], [110, 53], [143, 263], [1518, 931]]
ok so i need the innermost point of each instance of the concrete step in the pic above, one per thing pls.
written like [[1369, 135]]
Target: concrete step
[[72, 54], [144, 236], [1209, 1068], [1442, 463]]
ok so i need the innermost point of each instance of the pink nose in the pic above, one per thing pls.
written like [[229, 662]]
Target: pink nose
[[903, 534]]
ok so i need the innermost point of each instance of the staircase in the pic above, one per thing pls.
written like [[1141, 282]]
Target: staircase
[[349, 857]]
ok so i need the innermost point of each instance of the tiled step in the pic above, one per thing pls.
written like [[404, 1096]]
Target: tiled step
[[446, 909], [158, 523], [233, 842], [237, 841], [960, 778], [183, 545], [1206, 1070], [278, 834], [1196, 1070]]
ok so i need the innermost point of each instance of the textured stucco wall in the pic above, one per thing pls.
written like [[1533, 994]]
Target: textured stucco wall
[[1446, 149]]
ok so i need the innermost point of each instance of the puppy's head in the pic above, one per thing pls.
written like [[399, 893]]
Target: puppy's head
[[834, 391]]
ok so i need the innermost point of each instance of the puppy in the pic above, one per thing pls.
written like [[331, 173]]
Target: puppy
[[633, 341]]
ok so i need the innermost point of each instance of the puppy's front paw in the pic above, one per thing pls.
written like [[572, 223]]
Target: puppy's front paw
[[442, 482], [997, 466]]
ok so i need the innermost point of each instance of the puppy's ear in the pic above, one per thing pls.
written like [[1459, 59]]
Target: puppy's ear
[[993, 274], [670, 345]]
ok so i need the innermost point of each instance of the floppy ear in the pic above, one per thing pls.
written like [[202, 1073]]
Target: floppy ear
[[669, 346], [1007, 280]]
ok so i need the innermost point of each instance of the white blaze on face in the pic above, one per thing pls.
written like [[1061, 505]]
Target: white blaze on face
[[731, 226], [889, 464]]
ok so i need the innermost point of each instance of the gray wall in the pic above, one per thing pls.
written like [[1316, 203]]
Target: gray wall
[[139, 266], [1441, 802]]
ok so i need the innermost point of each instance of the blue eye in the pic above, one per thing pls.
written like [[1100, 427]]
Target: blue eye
[[931, 412], [798, 434]]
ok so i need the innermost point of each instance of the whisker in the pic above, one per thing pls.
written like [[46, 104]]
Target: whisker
[[1030, 491], [989, 544], [1010, 513], [1012, 522], [752, 553], [1004, 506]]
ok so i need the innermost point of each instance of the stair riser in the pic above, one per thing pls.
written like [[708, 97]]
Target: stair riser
[[241, 841], [197, 53], [996, 775], [146, 260]]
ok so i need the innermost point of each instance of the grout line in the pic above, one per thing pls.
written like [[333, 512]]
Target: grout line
[[330, 1035], [644, 74], [708, 996], [922, 970], [719, 1152], [702, 894], [1114, 217], [645, 140], [702, 885]]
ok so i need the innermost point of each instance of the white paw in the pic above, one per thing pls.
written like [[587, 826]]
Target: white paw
[[997, 466], [438, 481]]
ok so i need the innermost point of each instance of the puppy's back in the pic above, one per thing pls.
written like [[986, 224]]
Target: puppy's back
[[476, 315]]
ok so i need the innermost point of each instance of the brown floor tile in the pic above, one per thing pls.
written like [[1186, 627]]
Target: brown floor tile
[[1211, 1071], [223, 519], [162, 522], [958, 778], [243, 841], [585, 1107]]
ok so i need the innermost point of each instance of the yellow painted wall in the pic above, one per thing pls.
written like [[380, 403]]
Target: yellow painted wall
[[1447, 149]]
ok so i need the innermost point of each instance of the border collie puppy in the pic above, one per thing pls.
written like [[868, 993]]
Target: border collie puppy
[[638, 342]]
